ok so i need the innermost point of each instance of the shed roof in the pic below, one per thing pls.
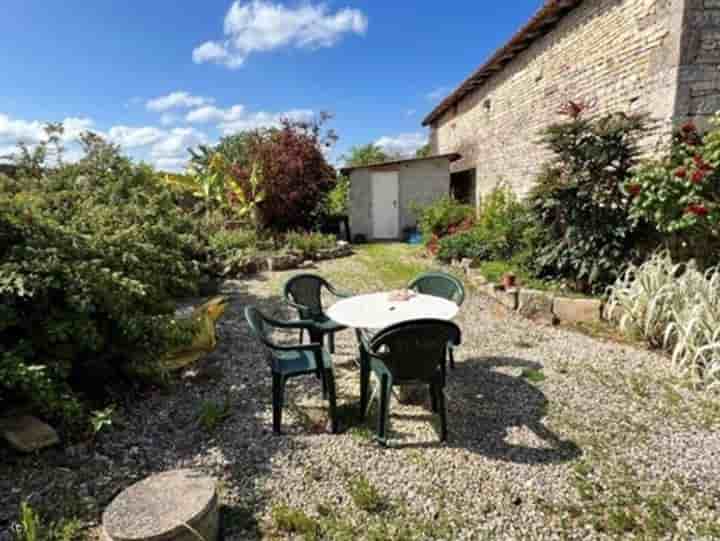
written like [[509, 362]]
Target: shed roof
[[541, 23], [452, 156]]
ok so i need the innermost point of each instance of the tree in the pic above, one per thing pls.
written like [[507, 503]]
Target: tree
[[366, 155], [424, 151]]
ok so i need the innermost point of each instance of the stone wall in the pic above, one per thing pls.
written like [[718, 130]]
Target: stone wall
[[655, 56]]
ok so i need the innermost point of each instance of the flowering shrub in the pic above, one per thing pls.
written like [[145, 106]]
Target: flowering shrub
[[443, 217], [580, 200], [677, 307], [680, 193]]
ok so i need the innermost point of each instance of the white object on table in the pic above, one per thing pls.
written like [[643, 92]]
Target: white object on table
[[377, 311]]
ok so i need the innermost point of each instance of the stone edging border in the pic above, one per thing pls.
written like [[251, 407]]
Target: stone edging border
[[539, 305]]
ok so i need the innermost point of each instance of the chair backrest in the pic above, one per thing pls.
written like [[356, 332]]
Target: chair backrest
[[306, 290], [414, 350], [257, 324], [439, 284]]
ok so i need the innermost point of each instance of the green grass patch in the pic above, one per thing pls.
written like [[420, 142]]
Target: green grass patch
[[213, 414], [294, 521]]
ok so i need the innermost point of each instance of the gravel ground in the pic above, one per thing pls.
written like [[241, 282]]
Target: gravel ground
[[553, 435]]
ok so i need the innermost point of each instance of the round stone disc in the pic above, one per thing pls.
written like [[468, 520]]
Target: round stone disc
[[161, 507]]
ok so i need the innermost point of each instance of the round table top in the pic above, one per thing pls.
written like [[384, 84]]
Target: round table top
[[377, 311]]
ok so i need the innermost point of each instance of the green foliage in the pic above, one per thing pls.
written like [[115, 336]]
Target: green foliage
[[366, 496], [213, 414], [679, 194], [32, 528], [308, 244], [91, 256], [579, 202], [498, 233], [338, 199], [442, 217], [294, 521], [228, 241], [366, 155], [424, 151], [102, 419]]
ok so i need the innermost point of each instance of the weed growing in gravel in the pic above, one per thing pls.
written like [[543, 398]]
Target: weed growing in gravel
[[32, 528], [212, 414], [294, 521], [536, 376], [366, 496]]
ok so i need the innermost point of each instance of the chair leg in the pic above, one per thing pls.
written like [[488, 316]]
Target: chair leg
[[433, 398], [442, 406], [384, 413], [278, 399], [451, 357], [364, 382], [331, 342], [302, 336], [330, 379]]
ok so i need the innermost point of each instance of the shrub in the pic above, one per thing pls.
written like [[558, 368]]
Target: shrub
[[227, 241], [499, 233], [679, 194], [588, 236], [442, 217], [677, 307], [308, 244], [91, 257], [338, 199]]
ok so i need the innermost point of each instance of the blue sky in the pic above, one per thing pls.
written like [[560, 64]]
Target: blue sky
[[159, 75]]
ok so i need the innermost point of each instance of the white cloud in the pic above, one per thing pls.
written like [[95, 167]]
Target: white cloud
[[32, 132], [172, 148], [262, 119], [210, 113], [129, 137], [168, 119], [261, 25], [176, 100], [405, 144], [438, 93]]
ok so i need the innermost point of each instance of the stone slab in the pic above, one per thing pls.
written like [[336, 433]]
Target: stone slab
[[535, 304], [577, 310], [179, 505], [27, 434]]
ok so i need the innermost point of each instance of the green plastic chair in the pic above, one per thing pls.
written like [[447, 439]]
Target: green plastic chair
[[440, 284], [304, 293], [289, 361], [412, 352]]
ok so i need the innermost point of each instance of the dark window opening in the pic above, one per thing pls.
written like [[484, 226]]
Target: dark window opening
[[462, 186]]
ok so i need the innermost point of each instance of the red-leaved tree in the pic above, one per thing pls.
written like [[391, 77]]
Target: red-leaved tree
[[295, 173]]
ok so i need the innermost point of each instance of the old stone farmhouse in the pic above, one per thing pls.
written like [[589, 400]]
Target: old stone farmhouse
[[656, 56]]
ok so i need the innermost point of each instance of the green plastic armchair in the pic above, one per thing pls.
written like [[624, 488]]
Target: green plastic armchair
[[304, 293], [409, 353], [440, 284], [289, 361]]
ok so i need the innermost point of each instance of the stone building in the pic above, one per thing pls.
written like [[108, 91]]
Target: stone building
[[661, 57]]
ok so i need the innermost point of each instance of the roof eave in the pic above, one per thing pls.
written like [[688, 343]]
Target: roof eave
[[452, 157], [541, 23]]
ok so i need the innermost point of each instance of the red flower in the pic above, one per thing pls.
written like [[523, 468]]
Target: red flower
[[698, 176], [697, 210], [681, 173], [688, 127], [634, 189]]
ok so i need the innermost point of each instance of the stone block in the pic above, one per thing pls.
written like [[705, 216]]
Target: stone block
[[179, 505], [507, 297], [27, 434], [535, 304], [577, 310]]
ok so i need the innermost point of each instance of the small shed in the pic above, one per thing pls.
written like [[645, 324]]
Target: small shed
[[382, 196]]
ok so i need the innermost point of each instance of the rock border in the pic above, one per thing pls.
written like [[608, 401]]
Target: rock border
[[292, 260], [540, 305]]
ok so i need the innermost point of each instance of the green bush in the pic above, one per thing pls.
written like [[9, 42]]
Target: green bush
[[309, 244], [579, 202], [338, 198], [500, 231], [91, 257], [442, 217]]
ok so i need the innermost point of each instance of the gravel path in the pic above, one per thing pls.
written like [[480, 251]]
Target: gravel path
[[553, 435]]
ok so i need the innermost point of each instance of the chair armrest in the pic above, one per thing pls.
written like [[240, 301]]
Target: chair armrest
[[338, 293], [293, 324], [317, 348]]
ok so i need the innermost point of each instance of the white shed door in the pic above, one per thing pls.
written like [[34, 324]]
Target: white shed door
[[385, 212]]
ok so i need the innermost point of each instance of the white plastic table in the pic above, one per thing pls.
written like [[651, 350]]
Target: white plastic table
[[377, 311]]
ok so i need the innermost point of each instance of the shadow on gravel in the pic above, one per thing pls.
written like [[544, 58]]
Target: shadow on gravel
[[484, 404], [156, 430]]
